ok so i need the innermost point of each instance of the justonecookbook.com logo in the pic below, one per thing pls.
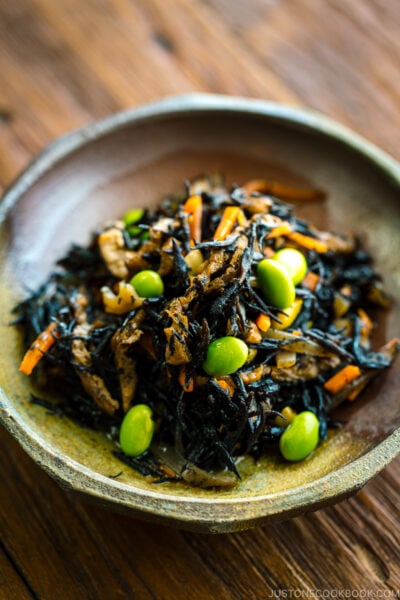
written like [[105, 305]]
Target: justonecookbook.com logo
[[283, 594]]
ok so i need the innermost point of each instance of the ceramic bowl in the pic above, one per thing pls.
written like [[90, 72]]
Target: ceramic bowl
[[134, 158]]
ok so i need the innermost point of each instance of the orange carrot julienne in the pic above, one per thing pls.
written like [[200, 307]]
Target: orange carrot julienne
[[167, 471], [241, 218], [187, 385], [40, 346], [366, 323], [191, 204], [283, 229], [257, 185], [227, 222], [346, 290], [356, 392], [263, 322], [308, 242], [266, 186], [310, 281], [226, 385], [194, 206], [268, 252], [338, 381]]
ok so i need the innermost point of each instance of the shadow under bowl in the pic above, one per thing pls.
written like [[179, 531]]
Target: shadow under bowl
[[133, 159]]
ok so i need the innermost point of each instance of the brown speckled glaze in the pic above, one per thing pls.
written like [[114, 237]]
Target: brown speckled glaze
[[132, 159]]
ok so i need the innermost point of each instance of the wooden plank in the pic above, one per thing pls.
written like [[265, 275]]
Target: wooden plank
[[69, 75], [65, 63], [91, 550], [12, 585], [160, 556], [48, 540], [341, 58], [59, 74], [345, 546], [207, 51]]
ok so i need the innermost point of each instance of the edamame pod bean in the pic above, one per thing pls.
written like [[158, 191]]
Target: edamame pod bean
[[301, 437], [136, 430], [225, 356], [133, 216], [294, 262], [148, 284], [275, 283], [134, 230]]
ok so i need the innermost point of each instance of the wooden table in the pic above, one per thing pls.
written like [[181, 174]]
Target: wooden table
[[64, 63]]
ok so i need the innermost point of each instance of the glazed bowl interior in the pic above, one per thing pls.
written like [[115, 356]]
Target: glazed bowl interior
[[135, 159]]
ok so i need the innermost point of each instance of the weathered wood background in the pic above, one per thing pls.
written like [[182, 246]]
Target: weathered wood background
[[64, 63]]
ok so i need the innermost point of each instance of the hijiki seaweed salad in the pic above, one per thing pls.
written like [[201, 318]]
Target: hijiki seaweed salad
[[215, 326]]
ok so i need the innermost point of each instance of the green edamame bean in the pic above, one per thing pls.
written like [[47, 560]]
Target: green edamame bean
[[134, 230], [137, 429], [225, 356], [133, 216], [275, 283], [294, 262], [148, 284], [301, 437]]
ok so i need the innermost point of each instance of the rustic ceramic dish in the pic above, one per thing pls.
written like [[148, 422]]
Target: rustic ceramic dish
[[133, 158]]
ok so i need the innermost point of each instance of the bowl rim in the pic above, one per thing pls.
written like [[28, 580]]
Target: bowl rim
[[75, 475], [312, 120]]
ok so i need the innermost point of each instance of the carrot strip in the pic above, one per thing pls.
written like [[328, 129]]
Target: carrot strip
[[265, 186], [346, 290], [227, 222], [263, 322], [268, 252], [187, 385], [191, 204], [308, 242], [257, 185], [366, 323], [42, 344], [343, 377], [226, 385], [194, 206], [241, 218], [356, 392], [283, 229], [310, 281]]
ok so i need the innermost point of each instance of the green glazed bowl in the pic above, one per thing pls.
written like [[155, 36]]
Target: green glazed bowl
[[132, 159]]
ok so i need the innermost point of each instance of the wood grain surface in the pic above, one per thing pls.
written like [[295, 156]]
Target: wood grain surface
[[64, 63]]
